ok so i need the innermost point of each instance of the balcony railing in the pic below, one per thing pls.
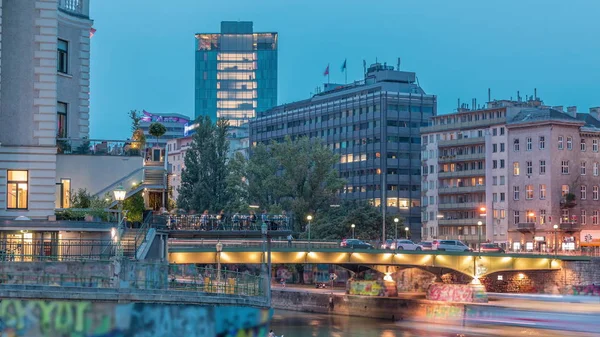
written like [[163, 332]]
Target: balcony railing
[[526, 226], [459, 222], [569, 227], [460, 174], [463, 205], [73, 6], [461, 142], [461, 157], [461, 189], [82, 146]]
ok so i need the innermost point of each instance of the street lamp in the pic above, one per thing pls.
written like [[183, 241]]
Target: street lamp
[[352, 226], [219, 248], [406, 230], [396, 220], [479, 223], [119, 194], [555, 241], [309, 218]]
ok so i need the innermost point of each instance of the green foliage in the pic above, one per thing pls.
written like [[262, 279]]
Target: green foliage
[[299, 175], [135, 117], [82, 204], [236, 185], [204, 179], [134, 205], [84, 147], [81, 199], [157, 130], [334, 223]]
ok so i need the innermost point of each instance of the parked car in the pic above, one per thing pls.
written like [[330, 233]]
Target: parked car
[[453, 245], [355, 243], [491, 248], [406, 245], [429, 245]]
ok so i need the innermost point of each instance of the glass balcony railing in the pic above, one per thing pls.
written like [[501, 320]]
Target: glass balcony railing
[[78, 7], [83, 146]]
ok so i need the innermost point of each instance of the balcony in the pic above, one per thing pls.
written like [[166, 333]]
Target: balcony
[[97, 147], [463, 157], [463, 125], [462, 189], [76, 7], [461, 174], [463, 205], [569, 227], [461, 142], [458, 222], [526, 227]]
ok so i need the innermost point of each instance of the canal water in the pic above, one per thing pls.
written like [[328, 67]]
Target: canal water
[[298, 324]]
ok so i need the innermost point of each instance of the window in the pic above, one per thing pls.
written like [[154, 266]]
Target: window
[[62, 65], [542, 167], [561, 144], [501, 147], [583, 215], [501, 163], [495, 197], [494, 180], [529, 144], [528, 192], [61, 120], [64, 193], [564, 190], [494, 148], [516, 192], [17, 186], [594, 217], [516, 217], [595, 145], [494, 132], [529, 216], [542, 191], [582, 168], [583, 191], [494, 164], [516, 168], [564, 167], [501, 131], [516, 145], [542, 142], [502, 180], [569, 143], [596, 168], [595, 192], [542, 216], [582, 145], [502, 196], [529, 168]]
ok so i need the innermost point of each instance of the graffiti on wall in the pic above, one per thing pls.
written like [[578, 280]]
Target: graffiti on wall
[[36, 318], [456, 293], [372, 288]]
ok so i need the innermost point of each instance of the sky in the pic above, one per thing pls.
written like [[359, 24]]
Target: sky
[[142, 55]]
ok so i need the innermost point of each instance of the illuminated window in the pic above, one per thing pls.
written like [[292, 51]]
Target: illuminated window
[[516, 168], [392, 202], [403, 203], [63, 196], [529, 192], [61, 120], [17, 186]]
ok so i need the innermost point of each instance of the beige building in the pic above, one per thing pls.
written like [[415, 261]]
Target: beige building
[[554, 177], [176, 150]]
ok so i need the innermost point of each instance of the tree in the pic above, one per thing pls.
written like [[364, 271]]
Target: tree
[[138, 137], [134, 205], [261, 174], [204, 178], [334, 223], [157, 130], [236, 182]]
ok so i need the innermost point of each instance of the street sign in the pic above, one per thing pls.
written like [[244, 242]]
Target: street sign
[[332, 276]]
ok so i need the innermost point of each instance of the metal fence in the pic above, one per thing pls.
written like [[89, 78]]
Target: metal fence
[[62, 250], [213, 280], [225, 223]]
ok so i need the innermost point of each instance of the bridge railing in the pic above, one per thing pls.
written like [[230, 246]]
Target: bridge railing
[[61, 250], [217, 222]]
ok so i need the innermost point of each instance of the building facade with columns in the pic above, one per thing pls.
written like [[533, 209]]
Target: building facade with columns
[[44, 95]]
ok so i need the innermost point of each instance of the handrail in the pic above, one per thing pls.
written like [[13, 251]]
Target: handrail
[[112, 186], [140, 236]]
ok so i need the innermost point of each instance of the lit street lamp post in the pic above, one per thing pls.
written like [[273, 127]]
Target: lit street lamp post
[[555, 241], [119, 194], [479, 224], [352, 226], [309, 218], [406, 230], [219, 248], [396, 220]]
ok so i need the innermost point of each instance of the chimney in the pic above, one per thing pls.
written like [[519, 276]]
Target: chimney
[[595, 112], [572, 111]]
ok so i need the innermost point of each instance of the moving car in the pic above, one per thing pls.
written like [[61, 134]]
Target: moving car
[[355, 243], [491, 248], [387, 244], [453, 246], [429, 245], [406, 245]]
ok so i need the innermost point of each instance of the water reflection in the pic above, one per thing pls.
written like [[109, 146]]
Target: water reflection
[[297, 324]]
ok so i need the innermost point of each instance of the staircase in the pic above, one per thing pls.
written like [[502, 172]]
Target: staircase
[[153, 178]]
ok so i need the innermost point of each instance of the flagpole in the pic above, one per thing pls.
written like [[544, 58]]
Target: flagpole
[[346, 73], [328, 82]]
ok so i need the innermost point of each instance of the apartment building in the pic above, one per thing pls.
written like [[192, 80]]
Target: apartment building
[[554, 178], [374, 126]]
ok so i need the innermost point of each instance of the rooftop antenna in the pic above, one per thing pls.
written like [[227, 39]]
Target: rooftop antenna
[[489, 94], [458, 106], [398, 64], [518, 96], [535, 93]]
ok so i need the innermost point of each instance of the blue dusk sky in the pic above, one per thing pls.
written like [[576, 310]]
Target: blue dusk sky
[[143, 50]]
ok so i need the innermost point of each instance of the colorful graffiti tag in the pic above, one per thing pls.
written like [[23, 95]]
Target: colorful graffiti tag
[[457, 293], [371, 288], [36, 318]]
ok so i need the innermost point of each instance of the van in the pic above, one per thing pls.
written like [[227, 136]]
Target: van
[[453, 246]]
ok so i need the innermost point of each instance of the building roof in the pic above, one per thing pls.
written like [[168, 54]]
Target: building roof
[[539, 115], [590, 121]]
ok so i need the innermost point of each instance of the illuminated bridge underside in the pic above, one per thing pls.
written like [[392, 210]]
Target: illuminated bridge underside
[[461, 262]]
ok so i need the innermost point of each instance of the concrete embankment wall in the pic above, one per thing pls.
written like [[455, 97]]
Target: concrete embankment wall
[[362, 306]]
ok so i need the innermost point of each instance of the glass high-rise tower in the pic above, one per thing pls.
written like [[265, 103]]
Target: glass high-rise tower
[[236, 73]]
